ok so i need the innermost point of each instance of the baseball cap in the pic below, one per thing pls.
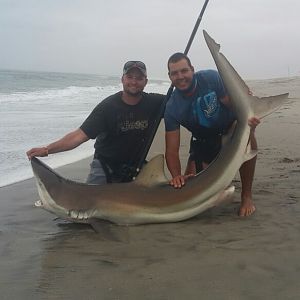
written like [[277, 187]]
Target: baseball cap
[[135, 64]]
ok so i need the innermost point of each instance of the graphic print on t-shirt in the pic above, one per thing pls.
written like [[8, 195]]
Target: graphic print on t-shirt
[[129, 122], [210, 104]]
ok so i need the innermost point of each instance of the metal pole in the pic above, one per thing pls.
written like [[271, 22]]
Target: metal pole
[[156, 123]]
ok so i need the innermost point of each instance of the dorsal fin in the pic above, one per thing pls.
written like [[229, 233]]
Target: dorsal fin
[[152, 172]]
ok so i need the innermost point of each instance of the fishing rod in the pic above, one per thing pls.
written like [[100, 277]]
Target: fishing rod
[[148, 142]]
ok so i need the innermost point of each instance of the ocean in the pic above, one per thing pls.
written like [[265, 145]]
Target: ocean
[[38, 108]]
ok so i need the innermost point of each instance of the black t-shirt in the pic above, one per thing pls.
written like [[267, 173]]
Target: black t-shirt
[[119, 128]]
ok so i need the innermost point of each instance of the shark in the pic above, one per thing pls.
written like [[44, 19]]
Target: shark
[[150, 198]]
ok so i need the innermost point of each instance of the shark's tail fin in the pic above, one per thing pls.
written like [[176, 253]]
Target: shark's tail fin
[[266, 105], [261, 107], [215, 51]]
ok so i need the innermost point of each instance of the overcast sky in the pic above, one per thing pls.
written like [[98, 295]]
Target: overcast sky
[[259, 37]]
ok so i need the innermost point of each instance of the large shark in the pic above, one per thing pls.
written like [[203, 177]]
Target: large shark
[[150, 199]]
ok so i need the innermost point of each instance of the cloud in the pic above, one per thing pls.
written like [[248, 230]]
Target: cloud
[[259, 37]]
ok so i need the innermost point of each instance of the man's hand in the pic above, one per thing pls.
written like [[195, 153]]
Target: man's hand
[[253, 122], [179, 181], [42, 151]]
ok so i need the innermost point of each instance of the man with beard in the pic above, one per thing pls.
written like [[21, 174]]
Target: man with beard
[[200, 103], [120, 124]]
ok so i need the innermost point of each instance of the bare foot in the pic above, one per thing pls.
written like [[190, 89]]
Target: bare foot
[[247, 207]]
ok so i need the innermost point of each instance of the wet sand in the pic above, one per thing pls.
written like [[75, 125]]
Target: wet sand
[[216, 255]]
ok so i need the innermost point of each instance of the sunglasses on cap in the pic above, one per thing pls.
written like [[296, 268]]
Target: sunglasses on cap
[[135, 64]]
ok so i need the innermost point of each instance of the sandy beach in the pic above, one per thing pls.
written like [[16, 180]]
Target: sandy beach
[[216, 255]]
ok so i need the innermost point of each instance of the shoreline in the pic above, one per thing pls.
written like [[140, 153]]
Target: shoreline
[[215, 255], [64, 169]]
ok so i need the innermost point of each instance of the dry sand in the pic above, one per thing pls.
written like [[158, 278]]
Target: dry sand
[[216, 255]]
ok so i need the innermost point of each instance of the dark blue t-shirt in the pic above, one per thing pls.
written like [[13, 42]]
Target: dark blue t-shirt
[[202, 112]]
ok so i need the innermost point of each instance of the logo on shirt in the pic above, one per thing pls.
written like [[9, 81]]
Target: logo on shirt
[[210, 104], [134, 125]]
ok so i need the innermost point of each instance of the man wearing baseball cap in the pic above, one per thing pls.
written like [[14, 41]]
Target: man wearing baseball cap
[[135, 64], [120, 123]]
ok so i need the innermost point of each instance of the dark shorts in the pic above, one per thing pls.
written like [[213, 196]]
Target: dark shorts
[[204, 150]]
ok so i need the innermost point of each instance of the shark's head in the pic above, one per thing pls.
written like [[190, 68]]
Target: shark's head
[[46, 202]]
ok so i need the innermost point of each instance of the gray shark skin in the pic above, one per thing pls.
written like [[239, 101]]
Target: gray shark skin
[[150, 199]]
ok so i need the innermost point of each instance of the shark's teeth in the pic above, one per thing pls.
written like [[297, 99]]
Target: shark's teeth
[[73, 214], [80, 215]]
